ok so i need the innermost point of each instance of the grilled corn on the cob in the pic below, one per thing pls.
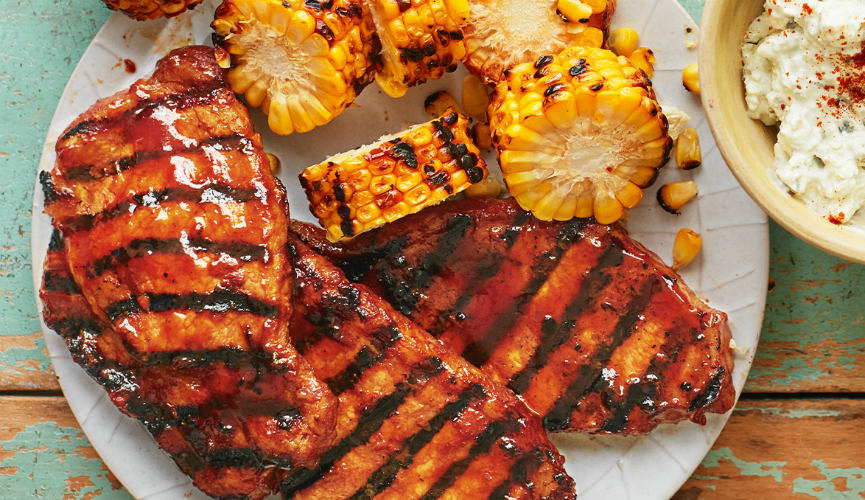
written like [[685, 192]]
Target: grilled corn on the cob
[[141, 10], [503, 33], [402, 174], [420, 39], [302, 62], [578, 134]]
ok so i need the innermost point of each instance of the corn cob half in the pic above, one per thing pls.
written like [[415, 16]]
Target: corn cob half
[[578, 134], [400, 175], [420, 39], [141, 10], [302, 61], [503, 33]]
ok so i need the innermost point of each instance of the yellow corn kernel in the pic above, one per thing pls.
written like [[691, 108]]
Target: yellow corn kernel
[[686, 247], [476, 97], [607, 209], [644, 59], [630, 195], [590, 37], [624, 41], [598, 6], [420, 137], [274, 163], [575, 11], [482, 135], [438, 102], [688, 150], [691, 79], [673, 196], [488, 187]]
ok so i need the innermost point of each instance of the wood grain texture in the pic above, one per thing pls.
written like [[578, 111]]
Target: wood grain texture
[[786, 450], [44, 454], [813, 337], [43, 41]]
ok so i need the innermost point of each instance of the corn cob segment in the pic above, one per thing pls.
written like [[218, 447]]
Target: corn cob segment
[[578, 134], [503, 33], [141, 10], [302, 62], [400, 175], [420, 39]]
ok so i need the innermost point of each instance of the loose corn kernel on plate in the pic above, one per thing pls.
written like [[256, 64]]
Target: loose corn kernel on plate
[[731, 270]]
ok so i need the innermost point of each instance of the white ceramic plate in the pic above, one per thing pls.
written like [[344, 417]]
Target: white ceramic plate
[[731, 272]]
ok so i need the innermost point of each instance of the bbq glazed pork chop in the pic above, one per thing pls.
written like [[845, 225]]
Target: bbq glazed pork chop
[[169, 279], [415, 421], [592, 330]]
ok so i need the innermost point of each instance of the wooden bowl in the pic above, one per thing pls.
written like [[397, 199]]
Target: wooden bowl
[[746, 144]]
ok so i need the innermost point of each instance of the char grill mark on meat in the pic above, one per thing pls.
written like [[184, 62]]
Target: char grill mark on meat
[[415, 420], [588, 327], [170, 281]]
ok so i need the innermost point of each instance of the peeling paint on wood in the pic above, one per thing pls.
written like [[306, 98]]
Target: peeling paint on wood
[[43, 41], [813, 337], [44, 454], [786, 450]]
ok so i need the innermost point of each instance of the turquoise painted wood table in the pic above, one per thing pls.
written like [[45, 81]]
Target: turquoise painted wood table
[[797, 432]]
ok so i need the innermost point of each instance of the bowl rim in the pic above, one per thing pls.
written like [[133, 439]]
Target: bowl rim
[[791, 214]]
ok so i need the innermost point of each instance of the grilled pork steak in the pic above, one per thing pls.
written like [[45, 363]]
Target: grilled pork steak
[[587, 326], [416, 421], [171, 282]]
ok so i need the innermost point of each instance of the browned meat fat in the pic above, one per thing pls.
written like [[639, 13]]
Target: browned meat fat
[[592, 330]]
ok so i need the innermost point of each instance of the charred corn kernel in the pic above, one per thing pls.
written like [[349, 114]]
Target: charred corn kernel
[[302, 62], [501, 35], [624, 41], [420, 40], [688, 150], [691, 79], [476, 97], [362, 189], [586, 142], [644, 59], [142, 10], [673, 196], [482, 135], [274, 163], [575, 10], [438, 102], [686, 247]]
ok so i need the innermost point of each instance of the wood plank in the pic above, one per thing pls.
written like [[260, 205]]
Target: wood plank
[[44, 453], [785, 450], [813, 337], [25, 365]]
